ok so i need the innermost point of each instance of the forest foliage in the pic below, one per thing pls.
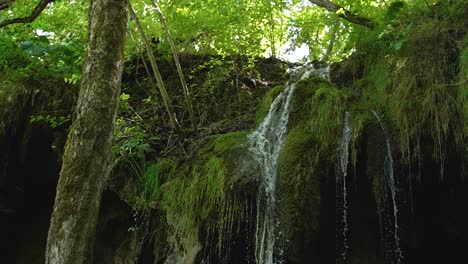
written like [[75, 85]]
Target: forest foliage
[[411, 67], [219, 44]]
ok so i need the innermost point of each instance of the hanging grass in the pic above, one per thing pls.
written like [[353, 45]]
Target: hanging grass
[[194, 194], [419, 86]]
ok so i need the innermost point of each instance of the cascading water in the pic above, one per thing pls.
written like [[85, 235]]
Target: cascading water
[[266, 143], [390, 180], [341, 189]]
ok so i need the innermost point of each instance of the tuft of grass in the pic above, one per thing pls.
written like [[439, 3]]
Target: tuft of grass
[[154, 174], [197, 199]]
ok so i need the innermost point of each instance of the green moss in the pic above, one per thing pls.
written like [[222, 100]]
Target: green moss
[[264, 106], [154, 175], [308, 155], [195, 195], [299, 183], [419, 87], [226, 142], [320, 107]]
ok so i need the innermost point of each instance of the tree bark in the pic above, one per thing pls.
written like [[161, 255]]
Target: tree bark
[[344, 13], [86, 160]]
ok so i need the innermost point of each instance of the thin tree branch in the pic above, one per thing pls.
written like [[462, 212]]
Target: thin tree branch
[[4, 4], [28, 19], [344, 13], [334, 32], [156, 72], [188, 100]]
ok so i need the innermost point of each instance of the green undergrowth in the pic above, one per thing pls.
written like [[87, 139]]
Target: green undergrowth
[[223, 100], [196, 194], [38, 80]]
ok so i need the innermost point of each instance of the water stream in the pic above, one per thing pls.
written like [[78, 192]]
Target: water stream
[[341, 189], [265, 144], [390, 180]]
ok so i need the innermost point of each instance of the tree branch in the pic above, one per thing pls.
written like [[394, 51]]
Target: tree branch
[[34, 14], [156, 72], [174, 49], [344, 13], [4, 4]]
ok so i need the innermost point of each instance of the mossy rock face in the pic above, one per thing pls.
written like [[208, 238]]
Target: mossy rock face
[[307, 157], [264, 106], [375, 145], [199, 193], [273, 70], [36, 96], [299, 194], [117, 236], [345, 73]]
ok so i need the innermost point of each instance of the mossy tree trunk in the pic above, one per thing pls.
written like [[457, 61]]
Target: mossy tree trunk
[[86, 161]]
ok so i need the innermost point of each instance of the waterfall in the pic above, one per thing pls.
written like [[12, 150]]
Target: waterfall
[[265, 144], [390, 180], [341, 191]]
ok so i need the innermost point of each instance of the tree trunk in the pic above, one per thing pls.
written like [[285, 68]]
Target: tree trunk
[[86, 161]]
